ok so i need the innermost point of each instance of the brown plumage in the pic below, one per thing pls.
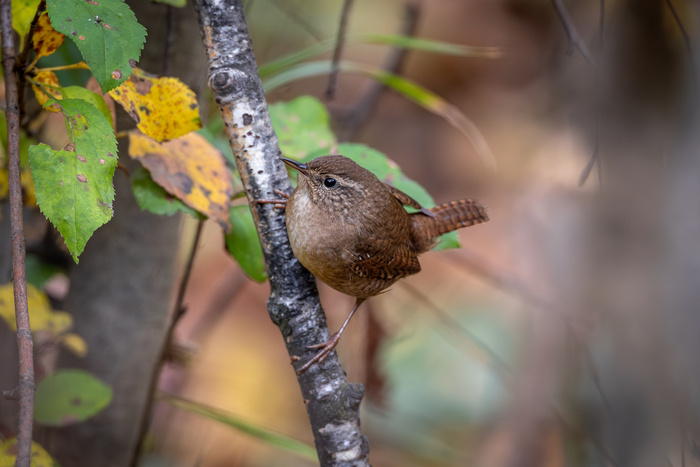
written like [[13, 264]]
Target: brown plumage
[[350, 229]]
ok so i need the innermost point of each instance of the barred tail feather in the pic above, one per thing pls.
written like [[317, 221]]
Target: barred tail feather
[[445, 218]]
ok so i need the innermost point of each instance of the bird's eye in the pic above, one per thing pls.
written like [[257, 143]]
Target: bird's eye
[[329, 182]]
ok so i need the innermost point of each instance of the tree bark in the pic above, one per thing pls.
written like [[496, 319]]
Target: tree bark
[[332, 403]]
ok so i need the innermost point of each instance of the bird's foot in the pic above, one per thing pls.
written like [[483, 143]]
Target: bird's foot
[[326, 349], [278, 203]]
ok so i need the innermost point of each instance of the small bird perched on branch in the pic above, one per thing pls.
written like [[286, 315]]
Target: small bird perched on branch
[[350, 230]]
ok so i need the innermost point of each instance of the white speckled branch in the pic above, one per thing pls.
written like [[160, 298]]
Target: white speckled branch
[[332, 403]]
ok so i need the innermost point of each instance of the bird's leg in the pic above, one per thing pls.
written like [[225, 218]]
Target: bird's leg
[[279, 203], [328, 346]]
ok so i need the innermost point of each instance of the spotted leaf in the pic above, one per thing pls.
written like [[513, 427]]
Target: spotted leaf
[[189, 168], [163, 108], [106, 33], [73, 185]]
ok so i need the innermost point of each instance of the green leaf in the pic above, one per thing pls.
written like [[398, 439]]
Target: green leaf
[[302, 127], [394, 40], [39, 271], [421, 96], [271, 437], [106, 33], [79, 92], [69, 396], [428, 45], [175, 3], [153, 198], [244, 245], [23, 12], [389, 172], [74, 184]]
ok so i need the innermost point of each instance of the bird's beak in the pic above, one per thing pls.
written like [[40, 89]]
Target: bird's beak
[[298, 166]]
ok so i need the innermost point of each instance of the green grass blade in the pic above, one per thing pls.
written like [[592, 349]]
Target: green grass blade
[[394, 40], [427, 45], [271, 437], [418, 94], [295, 57]]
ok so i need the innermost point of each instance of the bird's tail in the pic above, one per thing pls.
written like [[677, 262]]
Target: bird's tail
[[445, 218]]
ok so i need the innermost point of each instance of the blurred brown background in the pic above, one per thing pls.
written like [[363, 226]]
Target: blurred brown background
[[564, 332]]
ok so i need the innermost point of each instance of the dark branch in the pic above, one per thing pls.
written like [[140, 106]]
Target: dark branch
[[686, 38], [19, 279], [331, 402], [339, 44], [574, 39], [363, 109]]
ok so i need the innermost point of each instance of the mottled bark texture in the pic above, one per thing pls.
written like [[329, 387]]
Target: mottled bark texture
[[332, 403], [24, 391], [121, 293]]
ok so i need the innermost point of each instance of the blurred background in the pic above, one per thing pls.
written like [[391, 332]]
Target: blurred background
[[565, 331]]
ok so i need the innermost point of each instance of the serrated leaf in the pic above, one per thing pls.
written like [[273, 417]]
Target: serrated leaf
[[244, 245], [389, 172], [153, 198], [106, 33], [74, 184], [46, 39], [84, 94], [40, 457], [302, 127], [69, 396], [23, 12], [271, 437], [163, 108], [189, 168]]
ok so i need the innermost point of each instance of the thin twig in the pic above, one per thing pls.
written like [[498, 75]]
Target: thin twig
[[686, 38], [290, 10], [574, 39], [363, 109], [19, 278], [27, 46], [339, 43], [169, 39], [453, 326], [595, 157], [487, 271], [601, 25], [179, 310]]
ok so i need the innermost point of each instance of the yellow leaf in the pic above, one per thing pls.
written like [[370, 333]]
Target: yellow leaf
[[51, 85], [190, 169], [46, 39], [163, 108], [41, 316], [23, 12], [74, 343], [8, 454], [27, 185], [4, 183]]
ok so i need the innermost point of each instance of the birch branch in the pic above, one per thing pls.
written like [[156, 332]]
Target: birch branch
[[331, 402]]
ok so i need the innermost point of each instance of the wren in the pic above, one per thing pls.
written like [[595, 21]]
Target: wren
[[350, 230]]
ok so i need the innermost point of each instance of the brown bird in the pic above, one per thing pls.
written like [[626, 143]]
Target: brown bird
[[350, 230]]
